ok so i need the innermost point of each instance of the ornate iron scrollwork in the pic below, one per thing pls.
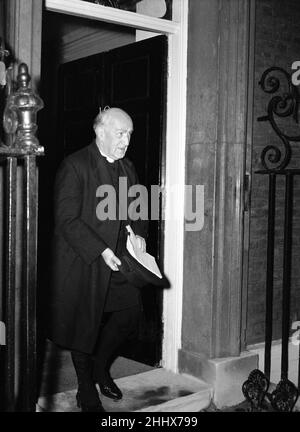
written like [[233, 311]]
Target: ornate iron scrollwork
[[281, 105], [284, 397], [255, 389]]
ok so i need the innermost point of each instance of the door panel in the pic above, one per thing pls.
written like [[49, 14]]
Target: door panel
[[133, 78], [80, 87], [137, 80], [124, 85]]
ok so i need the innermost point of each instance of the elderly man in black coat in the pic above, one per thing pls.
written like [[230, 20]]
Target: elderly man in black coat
[[94, 308]]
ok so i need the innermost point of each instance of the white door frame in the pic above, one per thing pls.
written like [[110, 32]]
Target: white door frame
[[176, 31]]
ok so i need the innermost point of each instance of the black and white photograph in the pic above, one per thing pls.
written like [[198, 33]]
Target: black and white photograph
[[149, 210]]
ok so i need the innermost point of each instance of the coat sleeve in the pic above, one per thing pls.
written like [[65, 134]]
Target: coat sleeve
[[140, 227], [68, 195]]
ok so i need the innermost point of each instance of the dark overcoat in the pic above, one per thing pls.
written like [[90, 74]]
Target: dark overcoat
[[80, 277]]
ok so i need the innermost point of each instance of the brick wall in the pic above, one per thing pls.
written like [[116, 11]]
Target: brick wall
[[277, 44]]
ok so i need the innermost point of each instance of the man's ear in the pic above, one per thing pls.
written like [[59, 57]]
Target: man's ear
[[99, 131]]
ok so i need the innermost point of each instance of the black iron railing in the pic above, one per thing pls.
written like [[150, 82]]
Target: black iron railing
[[275, 163], [20, 149]]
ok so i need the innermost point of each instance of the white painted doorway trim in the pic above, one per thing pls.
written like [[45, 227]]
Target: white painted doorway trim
[[112, 15], [177, 31]]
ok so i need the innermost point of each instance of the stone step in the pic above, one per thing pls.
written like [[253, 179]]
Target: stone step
[[157, 390]]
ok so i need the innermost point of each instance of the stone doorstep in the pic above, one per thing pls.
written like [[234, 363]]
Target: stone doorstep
[[154, 391]]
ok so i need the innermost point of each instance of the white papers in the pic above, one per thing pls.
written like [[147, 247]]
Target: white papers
[[147, 260]]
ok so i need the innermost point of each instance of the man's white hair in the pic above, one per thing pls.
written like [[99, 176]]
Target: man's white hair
[[104, 115]]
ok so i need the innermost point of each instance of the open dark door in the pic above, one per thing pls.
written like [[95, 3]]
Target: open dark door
[[133, 78]]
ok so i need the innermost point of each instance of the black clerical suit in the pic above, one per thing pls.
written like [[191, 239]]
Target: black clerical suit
[[83, 286]]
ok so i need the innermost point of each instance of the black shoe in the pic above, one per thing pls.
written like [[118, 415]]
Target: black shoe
[[89, 408], [109, 389]]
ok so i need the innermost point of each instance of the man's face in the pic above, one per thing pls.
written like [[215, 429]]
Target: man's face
[[115, 136]]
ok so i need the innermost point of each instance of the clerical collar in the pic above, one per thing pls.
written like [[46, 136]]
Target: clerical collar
[[110, 160]]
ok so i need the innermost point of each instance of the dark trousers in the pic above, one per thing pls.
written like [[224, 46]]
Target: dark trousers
[[116, 329]]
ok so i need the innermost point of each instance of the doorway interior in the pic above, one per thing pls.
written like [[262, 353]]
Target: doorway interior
[[117, 72]]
